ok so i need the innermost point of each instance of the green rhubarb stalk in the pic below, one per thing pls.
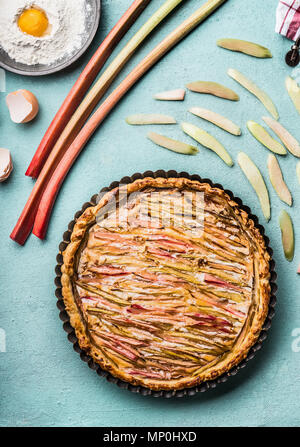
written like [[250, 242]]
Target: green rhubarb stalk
[[172, 145], [208, 141], [257, 182], [260, 133], [255, 90], [243, 46]]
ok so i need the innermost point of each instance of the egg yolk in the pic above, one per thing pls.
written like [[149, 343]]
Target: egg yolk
[[34, 22]]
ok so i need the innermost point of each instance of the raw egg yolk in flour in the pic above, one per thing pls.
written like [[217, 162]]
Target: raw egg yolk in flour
[[34, 22]]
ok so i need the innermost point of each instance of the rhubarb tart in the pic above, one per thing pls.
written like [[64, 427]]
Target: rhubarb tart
[[166, 282]]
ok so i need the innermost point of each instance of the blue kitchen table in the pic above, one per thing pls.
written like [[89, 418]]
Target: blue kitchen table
[[43, 382]]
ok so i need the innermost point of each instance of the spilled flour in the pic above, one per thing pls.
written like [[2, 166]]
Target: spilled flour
[[64, 37]]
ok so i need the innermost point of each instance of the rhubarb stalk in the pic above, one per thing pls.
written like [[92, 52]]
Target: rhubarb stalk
[[50, 193], [85, 108], [26, 220], [82, 84], [255, 90]]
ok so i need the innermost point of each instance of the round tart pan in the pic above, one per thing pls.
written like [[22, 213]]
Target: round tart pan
[[139, 389]]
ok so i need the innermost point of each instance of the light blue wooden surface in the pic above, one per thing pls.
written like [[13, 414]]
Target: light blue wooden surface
[[43, 382]]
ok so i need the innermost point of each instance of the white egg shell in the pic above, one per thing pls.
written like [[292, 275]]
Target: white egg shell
[[6, 165]]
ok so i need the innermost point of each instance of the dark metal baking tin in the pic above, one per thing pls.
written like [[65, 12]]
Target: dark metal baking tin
[[139, 389]]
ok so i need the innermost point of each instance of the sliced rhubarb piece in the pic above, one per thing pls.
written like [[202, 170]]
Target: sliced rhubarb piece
[[100, 87], [243, 46], [260, 133], [172, 145], [108, 270], [287, 139], [294, 92], [287, 235], [255, 90], [208, 141], [277, 180], [256, 180], [218, 120], [210, 279], [171, 95], [147, 374], [298, 170], [64, 164], [213, 88], [6, 164], [149, 118]]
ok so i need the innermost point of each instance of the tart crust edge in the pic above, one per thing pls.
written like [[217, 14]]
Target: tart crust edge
[[68, 269]]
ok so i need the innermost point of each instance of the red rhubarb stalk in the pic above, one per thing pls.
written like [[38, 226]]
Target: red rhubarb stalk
[[82, 84], [51, 191]]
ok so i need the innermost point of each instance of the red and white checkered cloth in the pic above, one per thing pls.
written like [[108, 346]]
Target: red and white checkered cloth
[[288, 19]]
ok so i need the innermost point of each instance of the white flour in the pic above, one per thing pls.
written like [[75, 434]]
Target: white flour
[[67, 30]]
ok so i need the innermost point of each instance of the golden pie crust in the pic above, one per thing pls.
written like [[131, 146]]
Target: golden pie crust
[[170, 303]]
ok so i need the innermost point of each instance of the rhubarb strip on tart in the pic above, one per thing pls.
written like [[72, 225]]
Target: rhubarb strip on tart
[[163, 300]]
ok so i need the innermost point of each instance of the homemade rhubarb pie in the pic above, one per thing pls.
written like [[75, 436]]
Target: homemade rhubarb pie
[[166, 282]]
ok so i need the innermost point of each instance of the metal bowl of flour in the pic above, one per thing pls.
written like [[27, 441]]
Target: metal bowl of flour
[[91, 23]]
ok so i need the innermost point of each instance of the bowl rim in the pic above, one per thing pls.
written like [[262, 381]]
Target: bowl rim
[[138, 389], [65, 64]]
